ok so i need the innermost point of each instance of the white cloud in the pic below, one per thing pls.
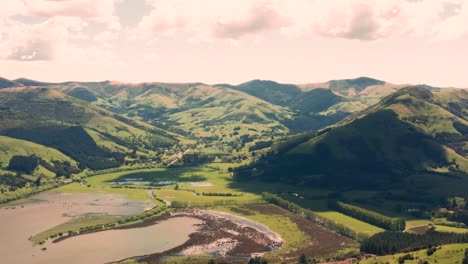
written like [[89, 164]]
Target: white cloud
[[261, 17], [235, 22], [354, 19], [51, 40]]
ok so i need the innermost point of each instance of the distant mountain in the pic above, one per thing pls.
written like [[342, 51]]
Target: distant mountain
[[5, 83], [195, 110], [281, 107], [224, 117], [318, 105], [273, 92], [413, 131], [28, 82], [352, 87]]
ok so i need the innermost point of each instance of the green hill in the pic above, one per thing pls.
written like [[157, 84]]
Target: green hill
[[273, 92], [351, 87], [259, 106], [10, 147], [94, 137], [29, 82], [222, 118], [317, 105], [413, 131]]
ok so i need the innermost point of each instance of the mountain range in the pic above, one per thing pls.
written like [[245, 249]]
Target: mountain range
[[367, 126]]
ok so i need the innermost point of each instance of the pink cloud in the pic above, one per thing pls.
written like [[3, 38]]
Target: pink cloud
[[356, 19], [78, 8], [261, 17]]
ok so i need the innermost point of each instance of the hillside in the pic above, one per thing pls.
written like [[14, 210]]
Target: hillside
[[94, 137], [5, 83], [318, 105], [284, 107], [10, 147], [413, 131], [220, 118]]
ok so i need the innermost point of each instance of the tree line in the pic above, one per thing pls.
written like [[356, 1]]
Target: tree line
[[310, 215], [371, 217], [390, 242]]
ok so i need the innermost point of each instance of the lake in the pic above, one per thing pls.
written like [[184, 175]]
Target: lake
[[52, 209]]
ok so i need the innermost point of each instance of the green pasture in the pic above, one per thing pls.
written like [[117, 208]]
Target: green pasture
[[447, 254]]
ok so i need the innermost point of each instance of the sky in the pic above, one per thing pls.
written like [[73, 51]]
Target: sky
[[222, 41]]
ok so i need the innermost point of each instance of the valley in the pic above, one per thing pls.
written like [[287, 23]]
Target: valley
[[261, 171]]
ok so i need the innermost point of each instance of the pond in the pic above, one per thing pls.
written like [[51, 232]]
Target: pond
[[49, 210], [141, 181]]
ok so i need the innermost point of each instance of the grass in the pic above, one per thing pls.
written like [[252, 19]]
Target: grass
[[451, 229], [133, 194], [448, 254], [354, 224], [190, 179], [10, 147], [417, 222], [75, 224]]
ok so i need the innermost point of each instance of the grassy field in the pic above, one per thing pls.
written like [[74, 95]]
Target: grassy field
[[448, 254], [417, 222], [354, 224], [133, 194], [191, 180], [451, 229], [75, 224]]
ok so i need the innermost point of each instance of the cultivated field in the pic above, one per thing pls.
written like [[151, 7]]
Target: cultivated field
[[448, 254]]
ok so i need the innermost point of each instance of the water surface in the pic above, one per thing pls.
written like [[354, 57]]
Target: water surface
[[52, 209]]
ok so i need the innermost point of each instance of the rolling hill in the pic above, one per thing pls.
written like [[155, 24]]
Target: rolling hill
[[10, 147], [317, 105], [267, 104], [222, 118], [5, 83], [91, 136], [413, 131]]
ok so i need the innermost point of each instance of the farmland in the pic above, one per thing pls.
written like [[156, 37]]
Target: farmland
[[211, 186], [356, 225], [189, 184], [447, 254]]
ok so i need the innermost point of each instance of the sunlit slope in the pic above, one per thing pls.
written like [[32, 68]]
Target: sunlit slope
[[411, 131]]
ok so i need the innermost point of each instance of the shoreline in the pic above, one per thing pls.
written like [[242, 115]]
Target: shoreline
[[221, 235]]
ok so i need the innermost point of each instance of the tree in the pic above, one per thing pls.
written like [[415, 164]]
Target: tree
[[465, 259], [26, 164], [38, 181], [302, 259]]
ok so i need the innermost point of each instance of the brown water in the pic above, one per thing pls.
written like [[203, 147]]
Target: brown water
[[17, 225]]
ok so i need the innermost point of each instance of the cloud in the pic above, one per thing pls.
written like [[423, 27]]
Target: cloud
[[450, 9], [46, 41], [53, 29], [33, 50], [354, 19], [362, 25], [261, 18], [102, 11], [76, 8]]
